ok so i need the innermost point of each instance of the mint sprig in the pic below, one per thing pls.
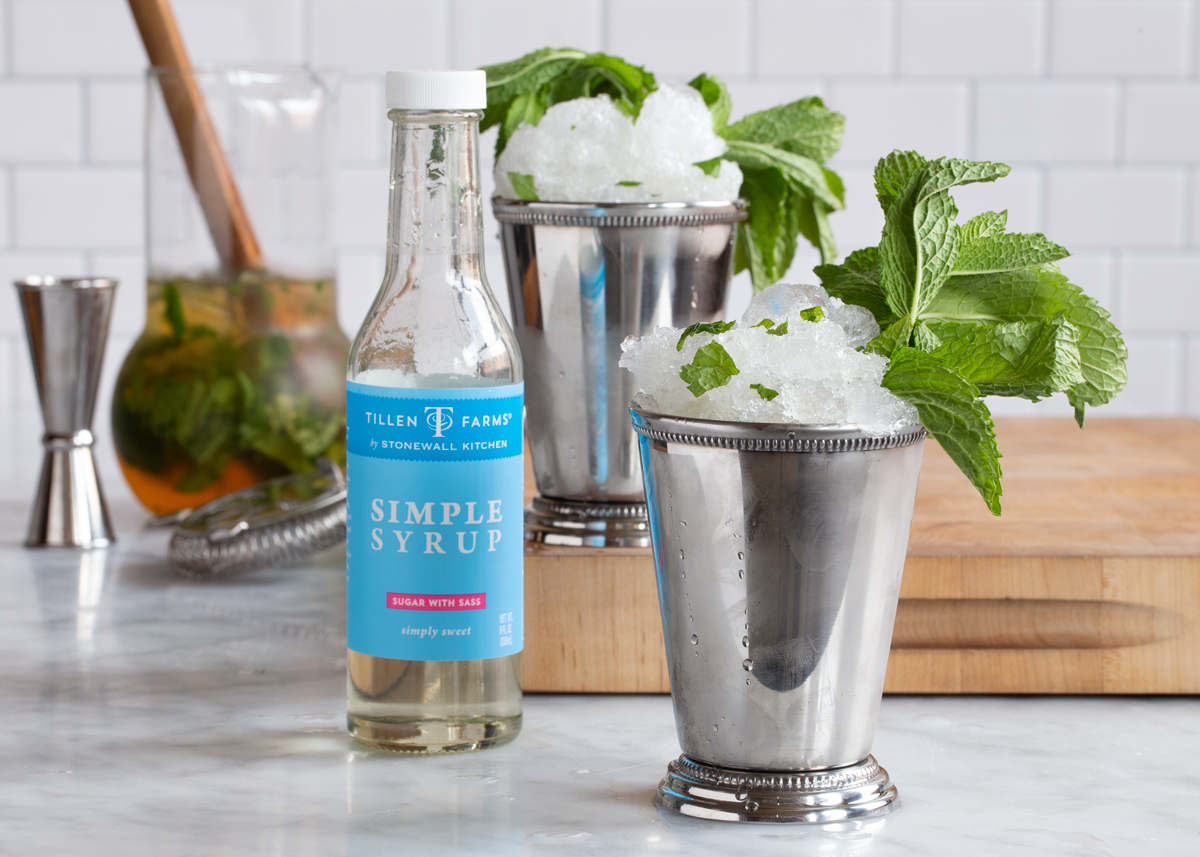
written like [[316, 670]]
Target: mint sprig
[[781, 151], [788, 191], [972, 310]]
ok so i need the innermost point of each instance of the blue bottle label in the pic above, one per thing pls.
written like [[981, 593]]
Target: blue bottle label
[[434, 549]]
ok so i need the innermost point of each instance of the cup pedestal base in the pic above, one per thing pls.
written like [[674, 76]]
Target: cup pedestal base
[[857, 791], [579, 523]]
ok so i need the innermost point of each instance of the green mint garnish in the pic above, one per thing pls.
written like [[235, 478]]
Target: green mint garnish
[[523, 185], [713, 327], [781, 151], [813, 314], [766, 392], [970, 311], [522, 90], [629, 184], [712, 367], [778, 330], [767, 323]]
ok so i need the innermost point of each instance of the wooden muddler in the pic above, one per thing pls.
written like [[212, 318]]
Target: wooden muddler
[[211, 177]]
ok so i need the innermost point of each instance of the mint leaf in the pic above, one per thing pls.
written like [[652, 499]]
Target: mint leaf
[[920, 240], [765, 392], [767, 323], [895, 335], [804, 127], [924, 337], [893, 172], [983, 226], [992, 254], [601, 74], [810, 218], [521, 90], [629, 184], [712, 367], [716, 96], [711, 167], [778, 330], [950, 409], [507, 80], [523, 186], [813, 314], [1037, 294], [797, 168], [713, 327], [1031, 360], [762, 238]]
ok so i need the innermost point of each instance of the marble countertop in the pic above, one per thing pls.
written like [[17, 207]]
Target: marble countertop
[[145, 714]]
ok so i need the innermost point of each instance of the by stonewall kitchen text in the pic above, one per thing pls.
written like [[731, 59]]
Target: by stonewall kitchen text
[[468, 513]]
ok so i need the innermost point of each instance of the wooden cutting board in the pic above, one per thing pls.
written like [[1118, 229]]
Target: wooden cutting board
[[1089, 582]]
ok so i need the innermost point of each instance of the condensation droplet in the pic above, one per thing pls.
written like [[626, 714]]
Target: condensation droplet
[[714, 727], [741, 555], [684, 523], [742, 796], [695, 639], [748, 665], [747, 682], [745, 642], [751, 805], [681, 553], [741, 574]]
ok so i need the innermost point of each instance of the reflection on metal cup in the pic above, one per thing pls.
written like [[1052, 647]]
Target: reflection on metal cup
[[66, 321], [779, 551], [581, 278]]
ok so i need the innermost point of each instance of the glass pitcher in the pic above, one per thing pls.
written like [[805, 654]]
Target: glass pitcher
[[239, 375]]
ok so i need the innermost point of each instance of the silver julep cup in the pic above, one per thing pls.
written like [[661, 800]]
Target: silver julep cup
[[581, 278], [779, 551], [66, 321]]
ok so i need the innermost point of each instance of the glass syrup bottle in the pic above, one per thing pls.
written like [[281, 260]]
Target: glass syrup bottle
[[434, 452]]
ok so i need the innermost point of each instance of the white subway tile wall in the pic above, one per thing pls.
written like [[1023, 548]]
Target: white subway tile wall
[[1094, 103]]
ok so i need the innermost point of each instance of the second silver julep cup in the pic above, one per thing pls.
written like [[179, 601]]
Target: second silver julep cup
[[779, 551], [581, 278]]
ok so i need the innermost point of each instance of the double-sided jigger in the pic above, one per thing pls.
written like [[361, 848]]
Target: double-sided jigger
[[66, 321]]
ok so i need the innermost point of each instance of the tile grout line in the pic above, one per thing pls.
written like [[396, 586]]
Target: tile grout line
[[972, 118], [7, 21], [1047, 34], [85, 123], [752, 39], [1189, 207], [894, 41]]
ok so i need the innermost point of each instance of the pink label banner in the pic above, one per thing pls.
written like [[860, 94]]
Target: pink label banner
[[411, 601]]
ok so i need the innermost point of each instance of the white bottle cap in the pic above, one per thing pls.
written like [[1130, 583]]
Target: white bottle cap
[[436, 90]]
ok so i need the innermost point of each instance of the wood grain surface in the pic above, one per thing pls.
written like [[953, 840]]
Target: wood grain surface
[[1089, 582]]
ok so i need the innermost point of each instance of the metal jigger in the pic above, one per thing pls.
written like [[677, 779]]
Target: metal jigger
[[66, 321]]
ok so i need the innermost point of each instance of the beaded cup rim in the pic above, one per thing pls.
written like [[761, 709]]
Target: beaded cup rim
[[769, 437]]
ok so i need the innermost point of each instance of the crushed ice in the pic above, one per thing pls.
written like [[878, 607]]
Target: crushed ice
[[587, 150], [820, 377]]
